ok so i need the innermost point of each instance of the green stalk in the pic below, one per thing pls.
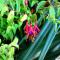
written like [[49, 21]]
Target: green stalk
[[49, 41], [41, 18], [24, 38]]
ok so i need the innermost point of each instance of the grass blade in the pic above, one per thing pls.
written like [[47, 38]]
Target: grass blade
[[49, 41]]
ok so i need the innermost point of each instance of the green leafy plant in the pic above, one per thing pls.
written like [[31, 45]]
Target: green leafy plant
[[16, 43]]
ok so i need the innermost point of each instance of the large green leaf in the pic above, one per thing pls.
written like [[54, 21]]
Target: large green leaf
[[40, 5], [10, 17], [58, 11], [52, 13], [32, 2]]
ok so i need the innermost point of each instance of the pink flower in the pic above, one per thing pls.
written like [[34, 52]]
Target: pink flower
[[26, 28], [26, 2], [31, 31], [36, 29]]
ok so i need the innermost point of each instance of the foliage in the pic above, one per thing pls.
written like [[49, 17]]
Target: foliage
[[7, 50], [14, 15]]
